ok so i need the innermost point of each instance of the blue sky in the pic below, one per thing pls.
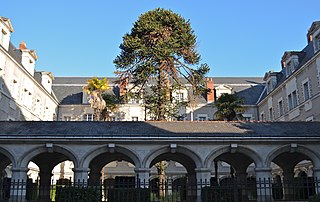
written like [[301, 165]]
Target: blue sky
[[235, 38]]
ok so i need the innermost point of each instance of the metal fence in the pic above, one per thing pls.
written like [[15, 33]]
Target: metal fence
[[130, 190]]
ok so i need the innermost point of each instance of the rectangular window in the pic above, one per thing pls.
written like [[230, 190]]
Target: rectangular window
[[2, 37], [134, 118], [179, 97], [281, 111], [270, 114], [67, 118], [290, 104], [15, 89], [202, 118], [294, 98], [262, 116], [306, 90], [87, 117]]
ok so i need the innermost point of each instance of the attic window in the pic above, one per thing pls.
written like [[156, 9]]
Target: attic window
[[4, 32], [30, 61], [317, 42]]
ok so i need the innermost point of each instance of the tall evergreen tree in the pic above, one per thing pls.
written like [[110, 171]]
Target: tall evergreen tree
[[228, 106], [160, 47]]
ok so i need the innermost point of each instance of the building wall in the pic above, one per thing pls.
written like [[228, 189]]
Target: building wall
[[21, 96], [305, 110]]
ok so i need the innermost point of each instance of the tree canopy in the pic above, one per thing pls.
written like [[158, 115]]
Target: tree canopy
[[95, 88], [161, 47], [228, 106]]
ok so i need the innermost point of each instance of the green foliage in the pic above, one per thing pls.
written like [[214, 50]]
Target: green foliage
[[160, 46], [229, 105], [78, 194], [129, 195], [314, 198], [111, 105], [95, 84]]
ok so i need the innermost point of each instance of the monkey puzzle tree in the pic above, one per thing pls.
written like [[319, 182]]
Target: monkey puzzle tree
[[160, 47], [95, 88]]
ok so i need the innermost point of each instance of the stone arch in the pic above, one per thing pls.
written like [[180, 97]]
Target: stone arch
[[179, 150], [25, 159], [90, 155], [314, 157], [8, 155], [257, 160]]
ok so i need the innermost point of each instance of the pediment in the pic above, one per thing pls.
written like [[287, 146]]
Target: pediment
[[7, 23], [223, 87]]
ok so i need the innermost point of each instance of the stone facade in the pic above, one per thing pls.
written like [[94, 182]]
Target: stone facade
[[293, 94], [24, 93]]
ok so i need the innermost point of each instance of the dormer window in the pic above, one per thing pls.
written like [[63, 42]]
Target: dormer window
[[317, 42], [271, 80], [2, 38]]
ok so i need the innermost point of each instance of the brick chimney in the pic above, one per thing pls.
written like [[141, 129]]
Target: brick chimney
[[23, 45], [210, 85], [123, 86]]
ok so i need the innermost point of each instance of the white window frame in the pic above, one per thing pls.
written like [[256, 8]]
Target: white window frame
[[262, 116], [280, 107], [87, 117], [67, 118], [202, 117], [179, 97], [306, 84], [271, 114], [310, 118]]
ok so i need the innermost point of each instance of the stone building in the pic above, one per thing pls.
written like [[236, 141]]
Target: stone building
[[25, 94], [292, 94]]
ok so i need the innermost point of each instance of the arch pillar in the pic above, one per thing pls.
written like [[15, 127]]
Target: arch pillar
[[45, 184], [241, 180], [316, 175], [95, 176], [264, 185], [203, 180], [142, 176], [18, 186], [288, 180], [81, 176]]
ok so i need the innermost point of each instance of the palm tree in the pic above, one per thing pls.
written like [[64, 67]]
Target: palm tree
[[228, 106], [95, 88]]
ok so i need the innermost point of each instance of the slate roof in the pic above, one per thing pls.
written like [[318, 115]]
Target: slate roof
[[305, 55], [159, 129], [68, 90], [15, 53]]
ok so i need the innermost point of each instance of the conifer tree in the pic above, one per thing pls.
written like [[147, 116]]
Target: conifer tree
[[160, 48]]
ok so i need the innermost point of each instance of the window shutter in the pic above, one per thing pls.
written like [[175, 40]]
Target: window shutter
[[310, 89], [302, 92]]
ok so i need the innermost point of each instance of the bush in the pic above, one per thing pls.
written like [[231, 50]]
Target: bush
[[128, 195], [314, 198], [78, 194]]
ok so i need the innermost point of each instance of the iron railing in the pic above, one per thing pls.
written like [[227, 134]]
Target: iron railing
[[226, 190]]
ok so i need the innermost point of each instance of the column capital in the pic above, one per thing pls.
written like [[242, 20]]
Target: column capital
[[316, 169], [203, 170], [267, 169], [80, 169], [142, 170], [18, 169]]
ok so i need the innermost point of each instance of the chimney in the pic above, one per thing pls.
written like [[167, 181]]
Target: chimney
[[123, 86], [23, 45], [210, 85]]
